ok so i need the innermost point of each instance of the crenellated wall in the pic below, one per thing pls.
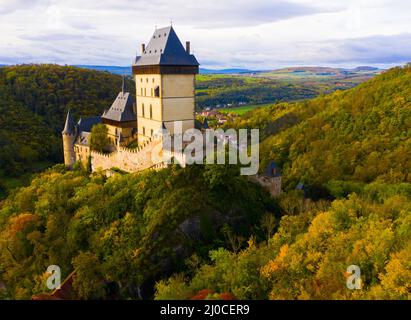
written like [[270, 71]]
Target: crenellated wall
[[150, 155]]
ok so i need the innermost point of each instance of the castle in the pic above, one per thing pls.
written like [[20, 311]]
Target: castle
[[164, 75]]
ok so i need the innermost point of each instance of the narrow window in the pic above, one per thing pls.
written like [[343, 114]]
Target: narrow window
[[141, 91], [151, 111], [157, 91], [151, 132], [145, 92], [143, 109], [144, 131]]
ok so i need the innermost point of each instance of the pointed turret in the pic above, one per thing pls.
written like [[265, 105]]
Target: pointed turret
[[69, 135], [69, 127]]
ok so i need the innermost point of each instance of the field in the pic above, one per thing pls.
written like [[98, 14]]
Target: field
[[243, 109], [262, 87]]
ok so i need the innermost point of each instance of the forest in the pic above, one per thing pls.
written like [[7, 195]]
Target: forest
[[205, 232], [33, 102]]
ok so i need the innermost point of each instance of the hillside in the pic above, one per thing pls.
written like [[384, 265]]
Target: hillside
[[362, 134], [129, 230], [352, 151], [204, 232], [33, 102]]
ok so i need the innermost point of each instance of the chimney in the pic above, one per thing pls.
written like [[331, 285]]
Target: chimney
[[143, 48], [188, 47]]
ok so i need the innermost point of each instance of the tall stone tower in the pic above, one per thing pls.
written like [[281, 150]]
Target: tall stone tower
[[165, 80], [69, 136]]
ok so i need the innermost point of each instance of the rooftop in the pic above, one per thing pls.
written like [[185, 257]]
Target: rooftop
[[165, 48], [122, 109]]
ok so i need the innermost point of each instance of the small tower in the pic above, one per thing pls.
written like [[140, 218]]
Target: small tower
[[69, 136], [120, 119], [271, 179]]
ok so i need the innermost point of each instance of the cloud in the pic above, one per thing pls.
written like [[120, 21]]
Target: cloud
[[256, 34], [9, 6]]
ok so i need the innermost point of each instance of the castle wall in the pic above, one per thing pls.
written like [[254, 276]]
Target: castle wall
[[177, 85], [82, 153], [149, 156], [175, 102]]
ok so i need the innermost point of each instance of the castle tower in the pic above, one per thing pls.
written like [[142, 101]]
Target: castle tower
[[120, 119], [165, 81], [69, 136]]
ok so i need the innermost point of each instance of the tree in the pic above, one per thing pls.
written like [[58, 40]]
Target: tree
[[99, 139]]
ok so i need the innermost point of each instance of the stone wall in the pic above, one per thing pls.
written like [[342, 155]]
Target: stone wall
[[148, 156]]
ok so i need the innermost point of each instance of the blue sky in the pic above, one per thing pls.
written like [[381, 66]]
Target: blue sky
[[223, 33]]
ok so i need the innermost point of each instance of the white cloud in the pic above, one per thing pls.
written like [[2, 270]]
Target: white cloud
[[224, 33]]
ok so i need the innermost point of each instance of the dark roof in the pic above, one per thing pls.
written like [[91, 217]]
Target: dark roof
[[84, 138], [300, 186], [272, 170], [205, 124], [84, 125], [69, 126], [121, 109], [165, 48], [201, 125]]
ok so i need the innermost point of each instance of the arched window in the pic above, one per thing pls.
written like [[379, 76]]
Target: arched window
[[142, 109], [151, 111], [157, 91]]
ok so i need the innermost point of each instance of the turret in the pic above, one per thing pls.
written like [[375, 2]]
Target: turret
[[69, 135]]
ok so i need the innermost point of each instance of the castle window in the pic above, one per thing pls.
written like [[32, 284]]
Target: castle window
[[145, 91], [153, 80], [151, 111], [144, 131], [141, 80], [142, 106], [141, 91], [151, 91], [147, 80], [151, 132], [157, 91]]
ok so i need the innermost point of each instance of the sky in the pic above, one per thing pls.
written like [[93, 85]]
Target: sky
[[253, 34]]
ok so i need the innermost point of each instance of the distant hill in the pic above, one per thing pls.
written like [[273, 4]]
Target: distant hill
[[226, 71], [127, 70], [365, 68], [320, 73], [112, 69]]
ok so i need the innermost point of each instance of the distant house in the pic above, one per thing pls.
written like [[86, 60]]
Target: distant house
[[270, 179]]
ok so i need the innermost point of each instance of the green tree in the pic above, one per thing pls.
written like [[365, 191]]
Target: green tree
[[99, 139]]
